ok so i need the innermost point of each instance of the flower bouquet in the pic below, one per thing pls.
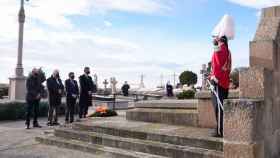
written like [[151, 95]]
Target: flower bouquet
[[103, 111]]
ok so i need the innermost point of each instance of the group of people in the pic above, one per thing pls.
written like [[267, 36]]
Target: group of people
[[219, 78], [56, 89]]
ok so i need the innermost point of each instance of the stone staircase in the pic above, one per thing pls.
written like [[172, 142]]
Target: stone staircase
[[117, 137]]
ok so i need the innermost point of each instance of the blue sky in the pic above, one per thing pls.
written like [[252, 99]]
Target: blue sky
[[124, 38]]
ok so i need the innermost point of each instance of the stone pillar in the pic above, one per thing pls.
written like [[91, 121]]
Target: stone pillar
[[244, 129], [250, 126], [113, 85], [96, 80], [17, 87], [203, 72], [142, 85], [105, 82]]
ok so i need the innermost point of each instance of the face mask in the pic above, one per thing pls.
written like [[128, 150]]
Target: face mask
[[72, 77], [88, 72], [216, 48]]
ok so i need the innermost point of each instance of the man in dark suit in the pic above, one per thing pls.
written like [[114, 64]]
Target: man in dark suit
[[87, 89], [33, 96], [72, 92], [55, 88]]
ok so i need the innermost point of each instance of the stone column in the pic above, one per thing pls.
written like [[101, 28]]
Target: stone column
[[113, 85], [203, 72], [96, 80], [244, 129], [142, 85], [17, 87], [105, 82]]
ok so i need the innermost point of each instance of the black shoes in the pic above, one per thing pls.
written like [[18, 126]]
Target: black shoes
[[56, 124], [36, 125], [27, 126], [53, 124]]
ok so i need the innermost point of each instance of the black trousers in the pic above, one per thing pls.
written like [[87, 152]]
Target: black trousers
[[32, 105], [222, 94], [52, 113], [70, 109], [83, 111]]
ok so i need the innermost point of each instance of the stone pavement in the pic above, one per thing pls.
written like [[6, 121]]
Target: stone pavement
[[17, 142]]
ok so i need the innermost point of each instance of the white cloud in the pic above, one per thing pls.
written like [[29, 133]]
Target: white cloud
[[256, 3], [53, 41], [138, 6], [108, 23]]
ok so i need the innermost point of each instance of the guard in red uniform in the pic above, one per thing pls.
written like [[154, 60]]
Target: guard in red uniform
[[220, 78]]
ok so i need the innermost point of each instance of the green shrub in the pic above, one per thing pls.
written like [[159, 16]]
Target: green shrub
[[188, 77], [189, 94], [17, 110], [108, 113]]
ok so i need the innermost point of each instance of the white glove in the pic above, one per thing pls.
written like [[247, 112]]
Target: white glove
[[212, 88], [74, 95], [214, 79]]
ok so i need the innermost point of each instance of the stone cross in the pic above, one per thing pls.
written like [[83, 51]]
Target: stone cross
[[203, 72], [113, 82], [105, 82]]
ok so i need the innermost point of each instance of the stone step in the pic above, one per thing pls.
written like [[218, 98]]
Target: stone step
[[185, 117], [106, 152], [178, 135], [168, 104], [137, 145]]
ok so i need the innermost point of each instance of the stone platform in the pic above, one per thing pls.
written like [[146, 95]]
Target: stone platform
[[174, 112], [121, 138]]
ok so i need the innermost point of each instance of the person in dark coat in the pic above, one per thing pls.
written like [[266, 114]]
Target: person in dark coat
[[55, 88], [33, 96], [72, 93], [169, 89], [87, 88], [125, 88]]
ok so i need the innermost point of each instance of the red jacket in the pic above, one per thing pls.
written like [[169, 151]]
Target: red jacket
[[221, 66]]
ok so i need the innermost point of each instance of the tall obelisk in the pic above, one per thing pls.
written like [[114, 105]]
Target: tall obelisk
[[17, 87]]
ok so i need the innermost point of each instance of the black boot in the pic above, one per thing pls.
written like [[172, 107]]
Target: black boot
[[36, 125], [27, 126]]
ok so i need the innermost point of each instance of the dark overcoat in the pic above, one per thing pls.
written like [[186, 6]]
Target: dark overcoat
[[53, 88], [86, 85]]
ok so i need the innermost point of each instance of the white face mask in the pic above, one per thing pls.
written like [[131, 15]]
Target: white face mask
[[216, 48]]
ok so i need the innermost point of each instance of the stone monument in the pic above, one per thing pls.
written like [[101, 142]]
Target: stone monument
[[105, 82], [251, 124], [113, 82], [96, 80], [17, 87], [142, 85], [203, 72]]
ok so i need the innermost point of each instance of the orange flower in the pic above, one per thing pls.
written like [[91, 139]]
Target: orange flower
[[102, 109]]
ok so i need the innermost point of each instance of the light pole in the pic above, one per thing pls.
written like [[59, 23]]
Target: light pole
[[17, 87]]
